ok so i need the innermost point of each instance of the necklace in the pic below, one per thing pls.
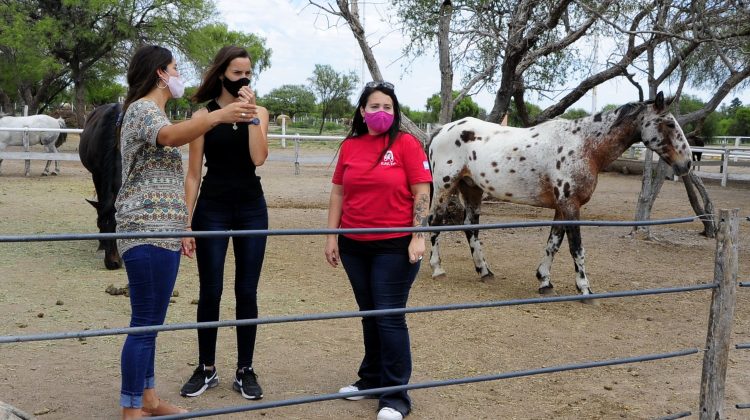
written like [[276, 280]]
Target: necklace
[[234, 124]]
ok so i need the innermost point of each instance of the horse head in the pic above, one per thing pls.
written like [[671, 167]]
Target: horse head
[[661, 133]]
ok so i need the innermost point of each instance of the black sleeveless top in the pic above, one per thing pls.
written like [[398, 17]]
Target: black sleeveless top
[[231, 172]]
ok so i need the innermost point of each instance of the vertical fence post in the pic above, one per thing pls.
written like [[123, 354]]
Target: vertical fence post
[[721, 317], [725, 167], [296, 155]]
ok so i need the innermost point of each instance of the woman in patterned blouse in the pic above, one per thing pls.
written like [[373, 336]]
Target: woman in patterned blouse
[[152, 199]]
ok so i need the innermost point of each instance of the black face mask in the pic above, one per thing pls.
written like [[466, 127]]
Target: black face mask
[[234, 87]]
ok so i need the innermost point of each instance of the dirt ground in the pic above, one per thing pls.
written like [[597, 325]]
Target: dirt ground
[[60, 286]]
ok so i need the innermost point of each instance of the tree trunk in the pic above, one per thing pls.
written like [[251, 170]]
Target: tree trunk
[[446, 67], [692, 183], [653, 179]]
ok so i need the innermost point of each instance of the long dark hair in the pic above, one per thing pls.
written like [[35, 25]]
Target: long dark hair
[[210, 88], [359, 127], [142, 74]]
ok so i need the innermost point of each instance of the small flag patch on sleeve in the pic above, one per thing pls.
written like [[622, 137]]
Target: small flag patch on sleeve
[[426, 165]]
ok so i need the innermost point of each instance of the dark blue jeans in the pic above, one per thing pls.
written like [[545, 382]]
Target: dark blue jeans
[[383, 281], [152, 272], [212, 215]]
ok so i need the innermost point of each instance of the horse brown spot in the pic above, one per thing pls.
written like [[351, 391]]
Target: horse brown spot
[[559, 149], [562, 159], [481, 174], [508, 157], [446, 185], [449, 161], [528, 145], [533, 170], [474, 154], [461, 122], [509, 194], [446, 178], [467, 136], [535, 135], [559, 182], [566, 190], [512, 171], [557, 192], [458, 143], [494, 164], [497, 170], [491, 188], [515, 149], [558, 164], [522, 158], [570, 153], [598, 117]]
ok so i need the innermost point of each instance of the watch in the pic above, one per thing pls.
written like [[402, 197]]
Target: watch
[[255, 121]]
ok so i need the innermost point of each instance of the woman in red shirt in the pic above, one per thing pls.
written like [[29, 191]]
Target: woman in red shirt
[[382, 179]]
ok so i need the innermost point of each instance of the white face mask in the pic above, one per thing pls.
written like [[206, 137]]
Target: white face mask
[[176, 86]]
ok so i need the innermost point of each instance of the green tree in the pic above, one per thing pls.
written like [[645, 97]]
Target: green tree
[[574, 114], [740, 125], [200, 46], [466, 107], [331, 88], [515, 120], [290, 100]]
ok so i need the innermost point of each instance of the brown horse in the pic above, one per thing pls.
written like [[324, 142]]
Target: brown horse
[[101, 156], [552, 165]]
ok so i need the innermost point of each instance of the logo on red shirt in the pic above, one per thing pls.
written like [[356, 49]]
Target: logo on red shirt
[[388, 159]]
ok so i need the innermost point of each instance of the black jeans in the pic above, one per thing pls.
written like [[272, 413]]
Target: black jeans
[[383, 281], [211, 215]]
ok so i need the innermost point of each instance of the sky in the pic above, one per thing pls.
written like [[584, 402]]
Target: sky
[[301, 36]]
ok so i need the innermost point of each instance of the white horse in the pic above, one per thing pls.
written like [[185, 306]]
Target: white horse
[[50, 140], [554, 165]]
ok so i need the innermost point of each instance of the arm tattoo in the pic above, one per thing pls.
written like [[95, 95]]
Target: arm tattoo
[[421, 210]]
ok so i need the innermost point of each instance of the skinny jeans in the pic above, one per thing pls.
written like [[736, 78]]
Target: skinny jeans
[[217, 215], [152, 272]]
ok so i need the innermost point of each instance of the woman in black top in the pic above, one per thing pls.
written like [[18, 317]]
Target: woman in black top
[[231, 198]]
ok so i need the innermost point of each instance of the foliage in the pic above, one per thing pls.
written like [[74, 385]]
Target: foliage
[[466, 107], [332, 89], [290, 100], [574, 114], [515, 121], [201, 44], [419, 117]]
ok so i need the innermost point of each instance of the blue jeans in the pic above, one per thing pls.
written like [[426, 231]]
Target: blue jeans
[[152, 272], [213, 215], [383, 281]]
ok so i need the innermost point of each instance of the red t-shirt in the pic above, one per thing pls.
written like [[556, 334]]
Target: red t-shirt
[[378, 195]]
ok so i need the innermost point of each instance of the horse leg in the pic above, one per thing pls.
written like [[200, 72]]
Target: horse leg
[[556, 235], [437, 269], [473, 202], [578, 254], [51, 148]]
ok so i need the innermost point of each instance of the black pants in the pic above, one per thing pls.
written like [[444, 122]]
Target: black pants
[[211, 253]]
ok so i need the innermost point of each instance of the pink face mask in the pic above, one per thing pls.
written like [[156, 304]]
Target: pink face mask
[[379, 122]]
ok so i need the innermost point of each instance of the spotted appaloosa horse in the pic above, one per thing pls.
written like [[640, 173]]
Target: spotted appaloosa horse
[[552, 165]]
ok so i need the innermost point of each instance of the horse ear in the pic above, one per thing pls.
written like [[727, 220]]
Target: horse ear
[[93, 203], [659, 102]]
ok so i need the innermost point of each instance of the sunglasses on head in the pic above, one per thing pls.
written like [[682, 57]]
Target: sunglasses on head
[[379, 84]]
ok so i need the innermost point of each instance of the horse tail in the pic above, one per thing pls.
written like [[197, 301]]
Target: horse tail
[[61, 136]]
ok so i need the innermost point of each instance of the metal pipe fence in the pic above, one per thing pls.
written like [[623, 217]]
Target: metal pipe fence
[[717, 285]]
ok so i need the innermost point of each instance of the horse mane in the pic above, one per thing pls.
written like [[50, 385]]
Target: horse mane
[[628, 111]]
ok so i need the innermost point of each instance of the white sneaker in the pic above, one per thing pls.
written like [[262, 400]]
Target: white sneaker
[[388, 413], [352, 388]]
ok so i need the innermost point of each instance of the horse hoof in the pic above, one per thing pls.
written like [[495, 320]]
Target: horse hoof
[[439, 276], [44, 174], [55, 173], [546, 290]]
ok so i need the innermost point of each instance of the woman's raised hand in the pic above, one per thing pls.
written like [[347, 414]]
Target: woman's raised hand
[[237, 112]]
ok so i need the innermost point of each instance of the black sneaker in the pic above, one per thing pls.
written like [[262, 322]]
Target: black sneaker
[[246, 383], [201, 380]]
